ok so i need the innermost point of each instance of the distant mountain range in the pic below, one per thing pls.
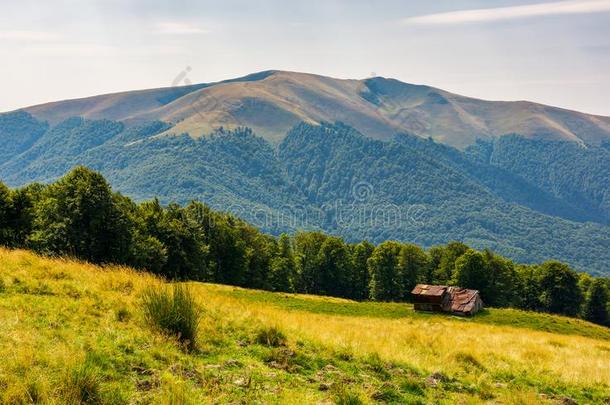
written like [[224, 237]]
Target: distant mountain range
[[375, 159], [272, 102]]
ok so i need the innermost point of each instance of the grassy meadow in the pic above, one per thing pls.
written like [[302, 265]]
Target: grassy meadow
[[71, 332]]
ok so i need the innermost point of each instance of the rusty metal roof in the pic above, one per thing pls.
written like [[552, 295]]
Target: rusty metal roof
[[429, 290], [461, 299], [451, 299]]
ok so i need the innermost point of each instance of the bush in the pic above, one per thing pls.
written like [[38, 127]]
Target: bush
[[173, 312], [82, 385], [271, 336]]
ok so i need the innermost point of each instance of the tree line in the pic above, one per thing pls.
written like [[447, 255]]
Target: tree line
[[80, 216]]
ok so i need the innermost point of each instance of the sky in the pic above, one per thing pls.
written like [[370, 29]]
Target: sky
[[553, 52]]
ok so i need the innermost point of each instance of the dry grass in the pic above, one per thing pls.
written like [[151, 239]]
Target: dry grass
[[60, 314], [438, 343]]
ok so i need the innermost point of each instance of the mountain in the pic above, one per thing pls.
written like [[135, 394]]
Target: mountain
[[272, 102], [530, 196]]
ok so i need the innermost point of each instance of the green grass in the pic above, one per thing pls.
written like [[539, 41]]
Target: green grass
[[492, 316], [171, 311], [76, 333]]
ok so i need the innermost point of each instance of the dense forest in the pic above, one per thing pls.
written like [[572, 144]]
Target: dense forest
[[331, 178], [80, 216]]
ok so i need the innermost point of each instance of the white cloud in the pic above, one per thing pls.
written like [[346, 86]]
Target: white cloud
[[179, 28], [28, 35], [70, 49], [509, 13]]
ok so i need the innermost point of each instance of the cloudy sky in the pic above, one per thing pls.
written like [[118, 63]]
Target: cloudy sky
[[554, 52]]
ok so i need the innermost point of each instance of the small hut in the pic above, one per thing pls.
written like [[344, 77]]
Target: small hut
[[429, 297], [442, 298]]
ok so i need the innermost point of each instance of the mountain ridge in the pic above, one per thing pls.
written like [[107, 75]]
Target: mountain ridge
[[272, 102]]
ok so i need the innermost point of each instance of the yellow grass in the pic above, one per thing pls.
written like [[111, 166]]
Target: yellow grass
[[436, 344], [68, 307]]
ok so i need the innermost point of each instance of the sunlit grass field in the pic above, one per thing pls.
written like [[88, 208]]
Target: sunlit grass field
[[71, 331]]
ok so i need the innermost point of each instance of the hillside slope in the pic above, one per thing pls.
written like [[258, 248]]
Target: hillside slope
[[414, 189], [272, 102], [75, 331]]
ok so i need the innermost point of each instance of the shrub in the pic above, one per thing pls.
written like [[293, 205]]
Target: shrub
[[271, 336], [173, 312], [82, 385]]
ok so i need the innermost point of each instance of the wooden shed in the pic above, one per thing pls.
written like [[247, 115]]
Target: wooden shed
[[442, 298], [429, 297]]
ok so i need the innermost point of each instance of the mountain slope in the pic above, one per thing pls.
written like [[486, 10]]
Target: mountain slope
[[333, 178], [76, 334], [577, 174], [272, 102], [419, 196]]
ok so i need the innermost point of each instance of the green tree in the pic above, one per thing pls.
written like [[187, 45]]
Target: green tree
[[147, 252], [596, 304], [260, 251], [182, 237], [22, 217], [470, 272], [283, 266], [584, 282], [499, 289], [527, 287], [412, 265], [451, 252], [360, 271], [229, 253], [307, 246], [386, 282], [6, 208], [559, 292], [435, 254], [77, 216], [334, 268]]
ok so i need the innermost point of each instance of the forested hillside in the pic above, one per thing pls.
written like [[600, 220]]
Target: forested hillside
[[577, 174], [80, 216], [332, 178]]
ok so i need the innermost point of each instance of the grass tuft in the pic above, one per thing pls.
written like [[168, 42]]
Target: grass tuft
[[377, 365], [82, 385], [387, 393], [345, 396], [468, 359], [122, 314], [174, 312], [271, 336]]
